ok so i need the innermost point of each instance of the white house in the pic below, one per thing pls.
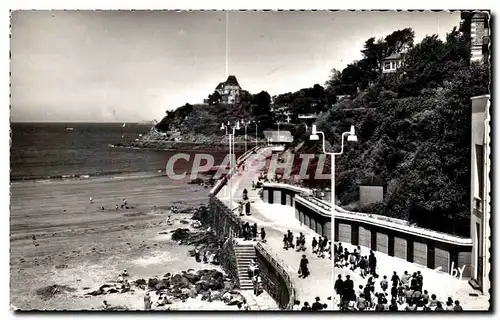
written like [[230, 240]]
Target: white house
[[480, 189]]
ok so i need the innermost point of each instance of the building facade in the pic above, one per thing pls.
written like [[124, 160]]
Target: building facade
[[392, 63], [476, 25], [229, 90], [480, 229]]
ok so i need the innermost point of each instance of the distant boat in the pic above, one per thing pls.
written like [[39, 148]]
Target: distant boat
[[70, 129], [140, 134], [124, 125]]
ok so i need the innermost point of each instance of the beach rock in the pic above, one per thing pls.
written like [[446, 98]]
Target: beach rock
[[152, 282], [192, 292], [192, 277], [162, 284], [236, 299], [229, 286], [205, 296], [202, 285], [180, 234], [179, 282], [49, 292], [216, 283], [167, 275], [186, 291], [140, 282], [216, 295]]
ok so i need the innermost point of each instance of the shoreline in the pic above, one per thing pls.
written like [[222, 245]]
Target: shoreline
[[81, 247]]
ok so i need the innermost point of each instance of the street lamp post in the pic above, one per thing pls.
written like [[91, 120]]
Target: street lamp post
[[245, 123], [351, 136], [234, 127], [256, 124]]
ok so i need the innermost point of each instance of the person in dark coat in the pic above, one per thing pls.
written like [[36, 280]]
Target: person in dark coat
[[372, 262], [348, 283], [395, 279], [304, 270], [339, 285], [306, 307], [317, 306], [285, 241], [254, 231], [262, 235], [414, 282], [420, 281], [314, 245], [247, 208]]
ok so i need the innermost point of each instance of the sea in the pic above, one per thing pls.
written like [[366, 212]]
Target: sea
[[59, 151]]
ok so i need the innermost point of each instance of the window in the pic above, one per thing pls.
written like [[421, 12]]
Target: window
[[387, 65], [480, 170]]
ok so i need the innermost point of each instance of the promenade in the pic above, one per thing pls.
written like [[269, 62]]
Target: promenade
[[277, 219], [319, 283]]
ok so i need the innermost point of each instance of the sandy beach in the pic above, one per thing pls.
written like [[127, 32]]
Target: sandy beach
[[81, 246]]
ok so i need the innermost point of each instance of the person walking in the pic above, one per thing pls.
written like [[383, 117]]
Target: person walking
[[339, 285], [314, 244], [372, 262], [262, 235], [147, 302], [303, 267], [254, 231], [285, 241]]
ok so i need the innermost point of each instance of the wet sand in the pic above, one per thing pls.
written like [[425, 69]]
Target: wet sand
[[82, 247]]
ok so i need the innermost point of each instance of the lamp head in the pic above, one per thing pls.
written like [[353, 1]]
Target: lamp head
[[222, 126], [237, 125], [352, 135], [314, 137], [314, 131]]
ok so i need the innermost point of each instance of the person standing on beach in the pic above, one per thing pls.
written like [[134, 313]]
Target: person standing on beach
[[33, 239], [147, 302], [116, 207], [90, 200]]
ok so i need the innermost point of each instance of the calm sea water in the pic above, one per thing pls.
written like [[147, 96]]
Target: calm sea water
[[50, 151]]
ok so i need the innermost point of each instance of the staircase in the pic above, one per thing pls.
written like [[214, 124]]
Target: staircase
[[245, 252]]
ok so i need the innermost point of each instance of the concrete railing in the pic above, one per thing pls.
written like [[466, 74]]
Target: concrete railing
[[271, 257], [323, 208], [367, 218], [282, 269]]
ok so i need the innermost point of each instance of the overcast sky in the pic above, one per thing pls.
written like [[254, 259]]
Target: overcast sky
[[111, 66]]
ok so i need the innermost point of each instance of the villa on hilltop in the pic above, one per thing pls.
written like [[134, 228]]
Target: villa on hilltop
[[229, 90]]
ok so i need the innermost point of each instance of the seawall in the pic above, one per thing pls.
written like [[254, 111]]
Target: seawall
[[227, 226]]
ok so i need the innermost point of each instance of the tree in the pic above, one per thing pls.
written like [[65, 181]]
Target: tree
[[214, 98]]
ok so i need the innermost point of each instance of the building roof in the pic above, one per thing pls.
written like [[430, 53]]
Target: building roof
[[284, 135], [231, 80], [394, 56]]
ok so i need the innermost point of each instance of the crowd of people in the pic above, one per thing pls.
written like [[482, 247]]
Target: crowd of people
[[400, 293]]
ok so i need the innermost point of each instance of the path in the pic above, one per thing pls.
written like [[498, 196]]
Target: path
[[319, 283]]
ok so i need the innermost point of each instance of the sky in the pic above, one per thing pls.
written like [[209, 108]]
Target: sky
[[130, 66]]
